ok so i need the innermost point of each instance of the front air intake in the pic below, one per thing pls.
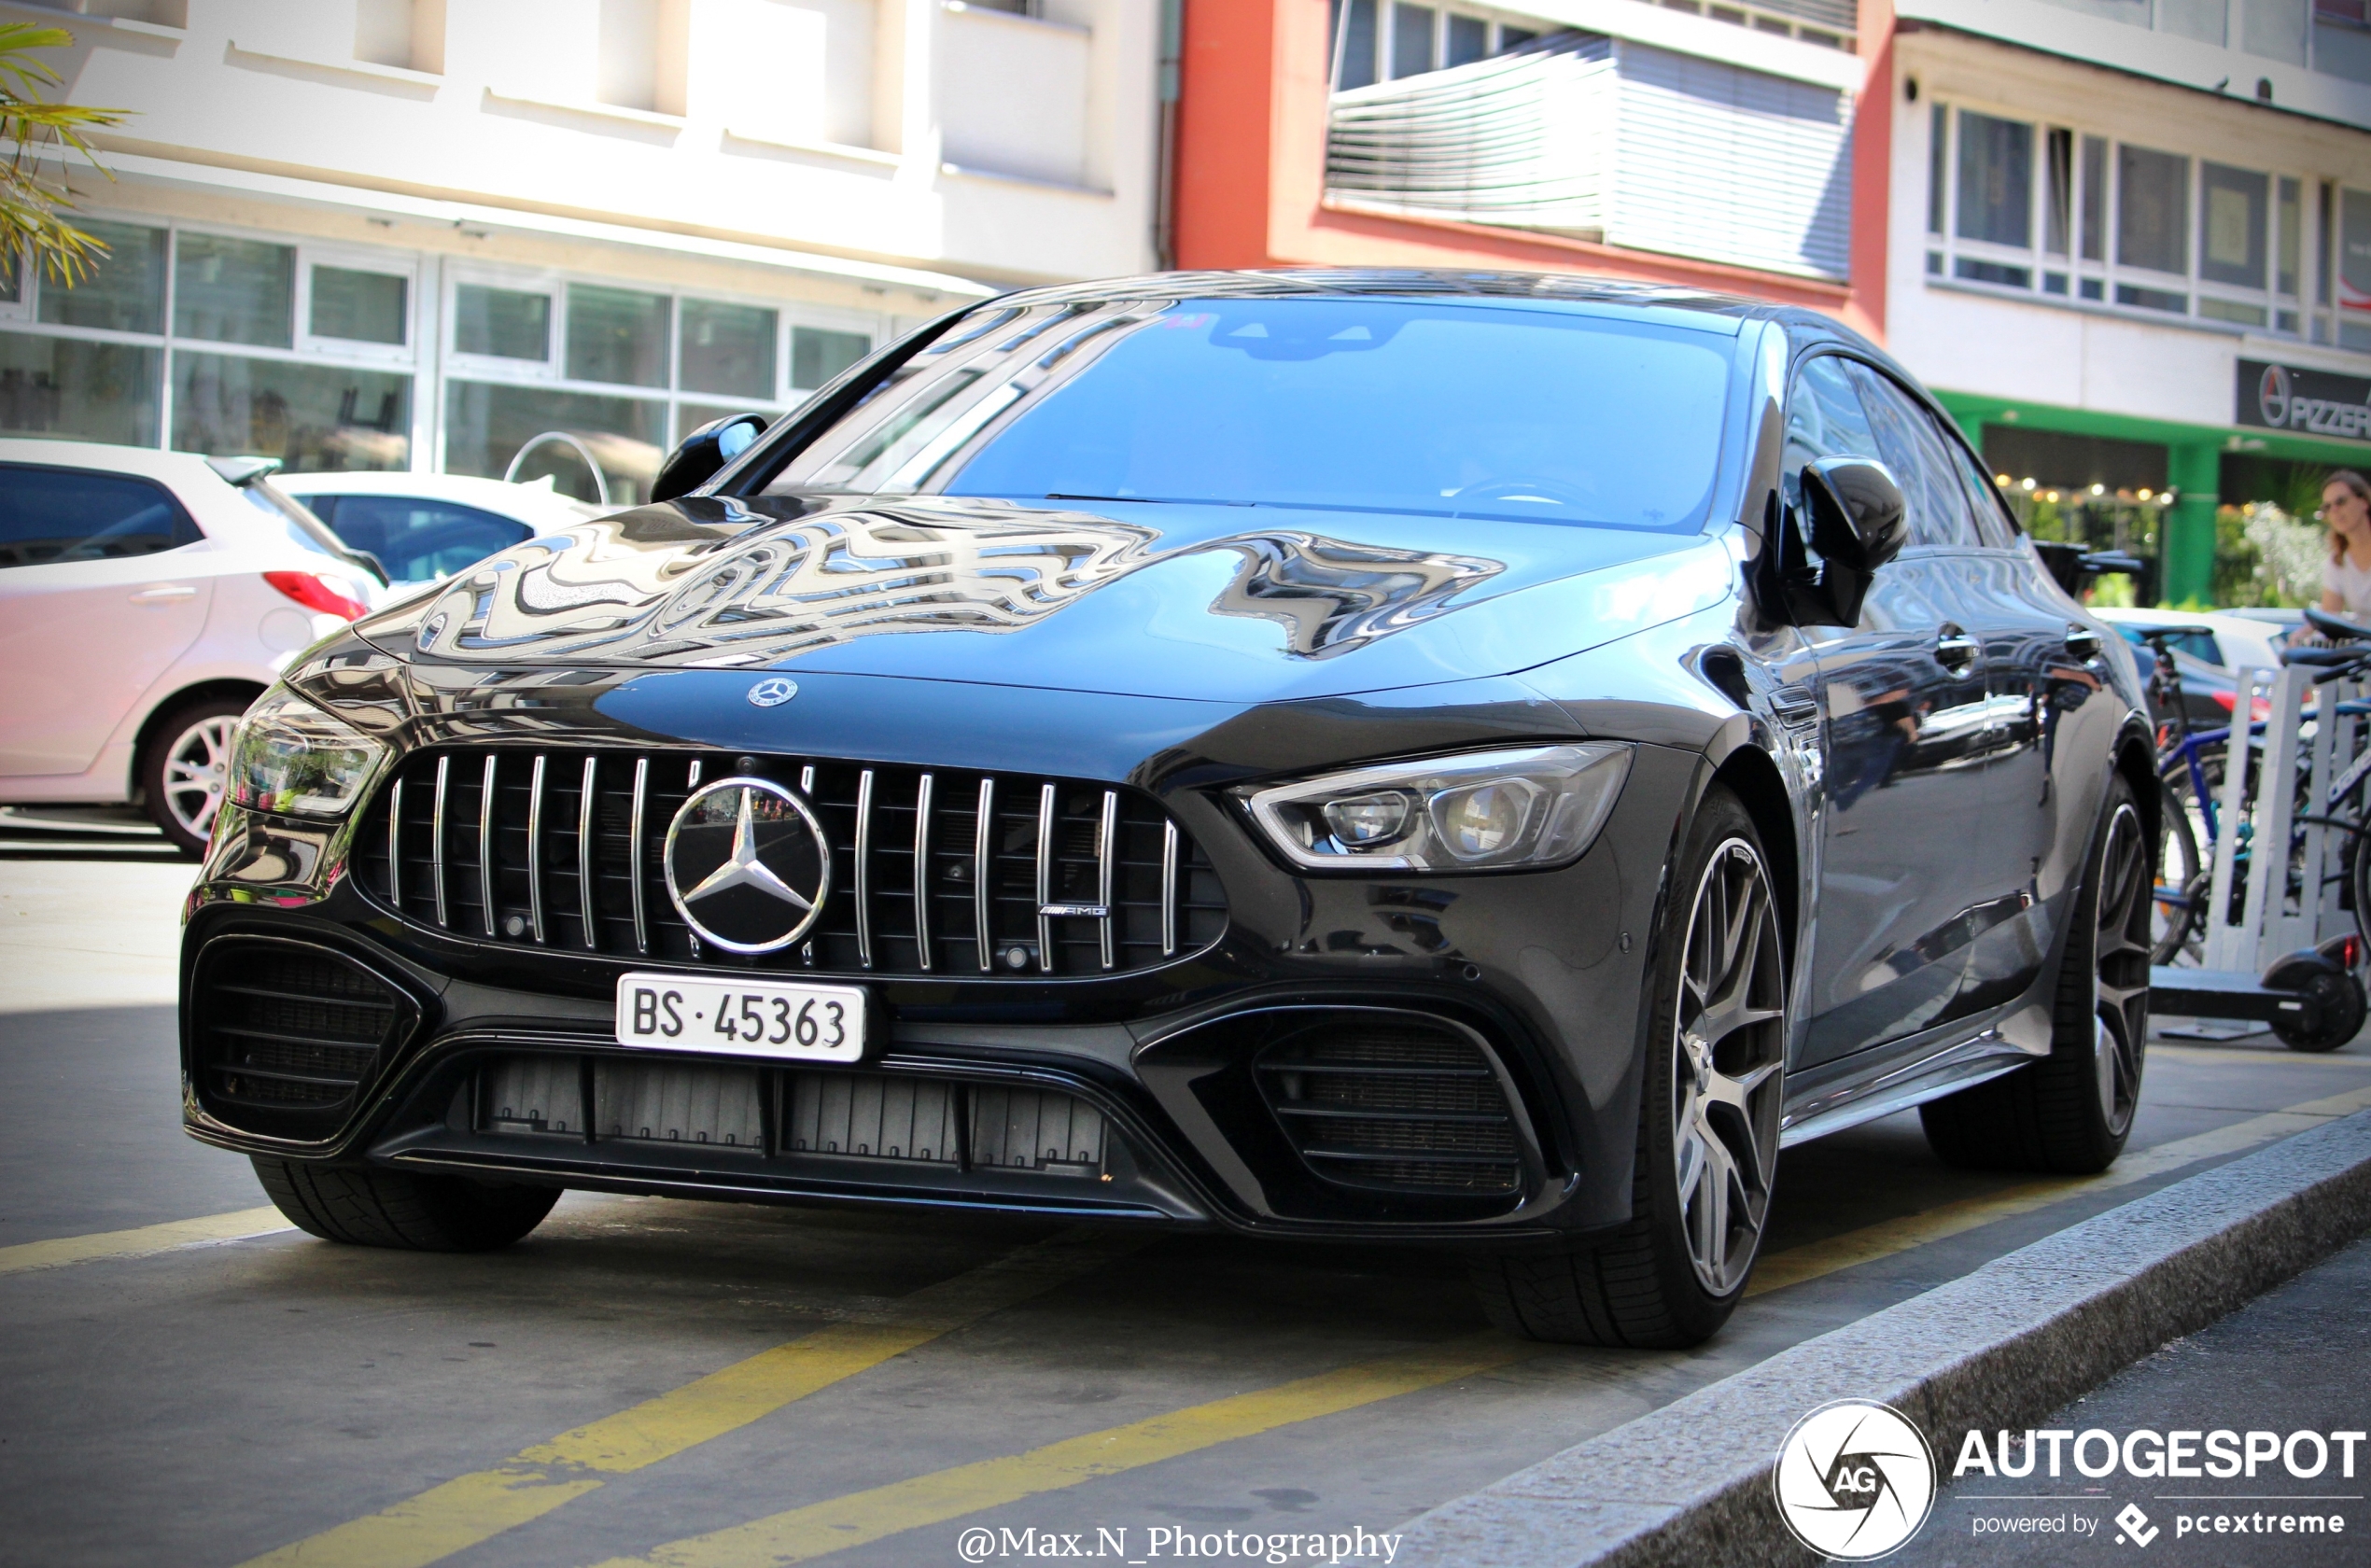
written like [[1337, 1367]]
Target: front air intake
[[1384, 1102], [283, 1035]]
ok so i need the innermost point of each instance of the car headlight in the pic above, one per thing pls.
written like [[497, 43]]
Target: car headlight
[[289, 756], [1484, 811]]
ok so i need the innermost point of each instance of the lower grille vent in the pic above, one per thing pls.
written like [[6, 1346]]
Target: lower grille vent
[[858, 1117], [1395, 1103], [286, 1033]]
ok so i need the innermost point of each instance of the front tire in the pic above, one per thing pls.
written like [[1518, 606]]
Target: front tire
[[1708, 1114], [397, 1209], [2071, 1112]]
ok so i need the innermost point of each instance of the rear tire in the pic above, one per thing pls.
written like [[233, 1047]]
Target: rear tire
[[397, 1209], [185, 770], [1707, 1146], [2070, 1112]]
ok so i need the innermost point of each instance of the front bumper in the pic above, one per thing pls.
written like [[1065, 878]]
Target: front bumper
[[1504, 1010]]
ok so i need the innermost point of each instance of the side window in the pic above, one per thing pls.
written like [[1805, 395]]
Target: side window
[[419, 541], [1824, 419], [51, 515], [1939, 512], [1994, 525]]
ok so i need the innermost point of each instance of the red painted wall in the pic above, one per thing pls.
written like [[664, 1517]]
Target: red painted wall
[[1251, 161]]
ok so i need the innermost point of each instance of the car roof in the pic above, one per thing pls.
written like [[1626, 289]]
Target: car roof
[[528, 503], [145, 461]]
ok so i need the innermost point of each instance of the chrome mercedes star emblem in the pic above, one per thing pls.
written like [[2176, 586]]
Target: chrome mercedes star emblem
[[746, 865], [773, 692]]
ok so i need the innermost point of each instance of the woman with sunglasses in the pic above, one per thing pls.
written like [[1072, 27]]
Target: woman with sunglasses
[[2345, 509]]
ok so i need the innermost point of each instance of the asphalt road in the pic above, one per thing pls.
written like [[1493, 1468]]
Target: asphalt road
[[712, 1385]]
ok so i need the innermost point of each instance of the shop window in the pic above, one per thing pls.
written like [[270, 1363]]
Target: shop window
[[314, 417], [1996, 180], [359, 307], [501, 323], [235, 291], [817, 355], [80, 390], [487, 424], [617, 335], [729, 349], [1412, 40], [123, 291], [2152, 212], [2234, 225]]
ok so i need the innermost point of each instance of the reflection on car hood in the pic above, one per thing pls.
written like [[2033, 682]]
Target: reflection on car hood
[[1231, 603]]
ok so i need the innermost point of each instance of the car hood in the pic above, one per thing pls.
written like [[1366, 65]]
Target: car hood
[[1225, 603]]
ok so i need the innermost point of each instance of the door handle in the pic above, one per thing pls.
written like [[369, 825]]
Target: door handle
[[1955, 650], [2082, 642], [164, 593]]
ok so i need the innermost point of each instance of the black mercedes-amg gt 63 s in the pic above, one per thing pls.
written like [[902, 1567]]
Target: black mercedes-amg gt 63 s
[[1478, 760]]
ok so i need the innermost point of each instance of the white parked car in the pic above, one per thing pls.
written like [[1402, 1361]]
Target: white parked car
[[424, 527], [2231, 638], [146, 600]]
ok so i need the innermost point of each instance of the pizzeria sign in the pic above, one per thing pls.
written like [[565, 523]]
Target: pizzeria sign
[[2308, 403]]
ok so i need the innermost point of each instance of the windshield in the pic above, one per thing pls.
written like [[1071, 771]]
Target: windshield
[[1438, 409]]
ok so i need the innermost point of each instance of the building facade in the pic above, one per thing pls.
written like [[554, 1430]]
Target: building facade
[[2130, 245], [1695, 142], [422, 233]]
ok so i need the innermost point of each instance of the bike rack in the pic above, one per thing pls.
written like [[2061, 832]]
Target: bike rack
[[2258, 959]]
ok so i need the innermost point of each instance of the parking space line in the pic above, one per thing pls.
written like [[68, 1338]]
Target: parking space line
[[1884, 1239], [141, 1240], [471, 1508], [837, 1523]]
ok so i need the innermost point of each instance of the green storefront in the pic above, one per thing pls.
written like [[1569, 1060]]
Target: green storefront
[[2291, 426]]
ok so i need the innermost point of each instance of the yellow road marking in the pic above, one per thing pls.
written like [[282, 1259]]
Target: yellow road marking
[[474, 1507], [1888, 1238], [142, 1239], [831, 1526]]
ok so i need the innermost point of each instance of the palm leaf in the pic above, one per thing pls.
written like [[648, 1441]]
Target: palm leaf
[[34, 198]]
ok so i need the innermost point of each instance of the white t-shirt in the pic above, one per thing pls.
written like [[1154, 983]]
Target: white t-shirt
[[2351, 583]]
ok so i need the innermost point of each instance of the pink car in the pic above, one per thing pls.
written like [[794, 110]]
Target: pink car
[[146, 600]]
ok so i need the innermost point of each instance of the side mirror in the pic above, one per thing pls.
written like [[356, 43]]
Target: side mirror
[[1859, 517], [704, 452], [1859, 521]]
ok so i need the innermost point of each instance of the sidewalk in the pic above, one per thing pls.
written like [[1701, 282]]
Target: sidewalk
[[2297, 1359]]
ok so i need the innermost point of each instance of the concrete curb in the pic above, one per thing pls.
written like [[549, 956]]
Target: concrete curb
[[2000, 1347]]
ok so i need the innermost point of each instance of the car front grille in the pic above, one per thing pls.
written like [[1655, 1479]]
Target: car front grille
[[935, 871], [804, 1116], [285, 1032], [1393, 1102]]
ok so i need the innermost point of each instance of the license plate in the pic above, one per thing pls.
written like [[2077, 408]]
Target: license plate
[[782, 1020]]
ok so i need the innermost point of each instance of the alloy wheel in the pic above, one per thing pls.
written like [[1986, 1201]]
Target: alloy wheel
[[1725, 1089], [197, 773], [2120, 966]]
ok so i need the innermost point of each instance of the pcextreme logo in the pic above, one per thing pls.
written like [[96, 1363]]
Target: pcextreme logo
[[1854, 1480]]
